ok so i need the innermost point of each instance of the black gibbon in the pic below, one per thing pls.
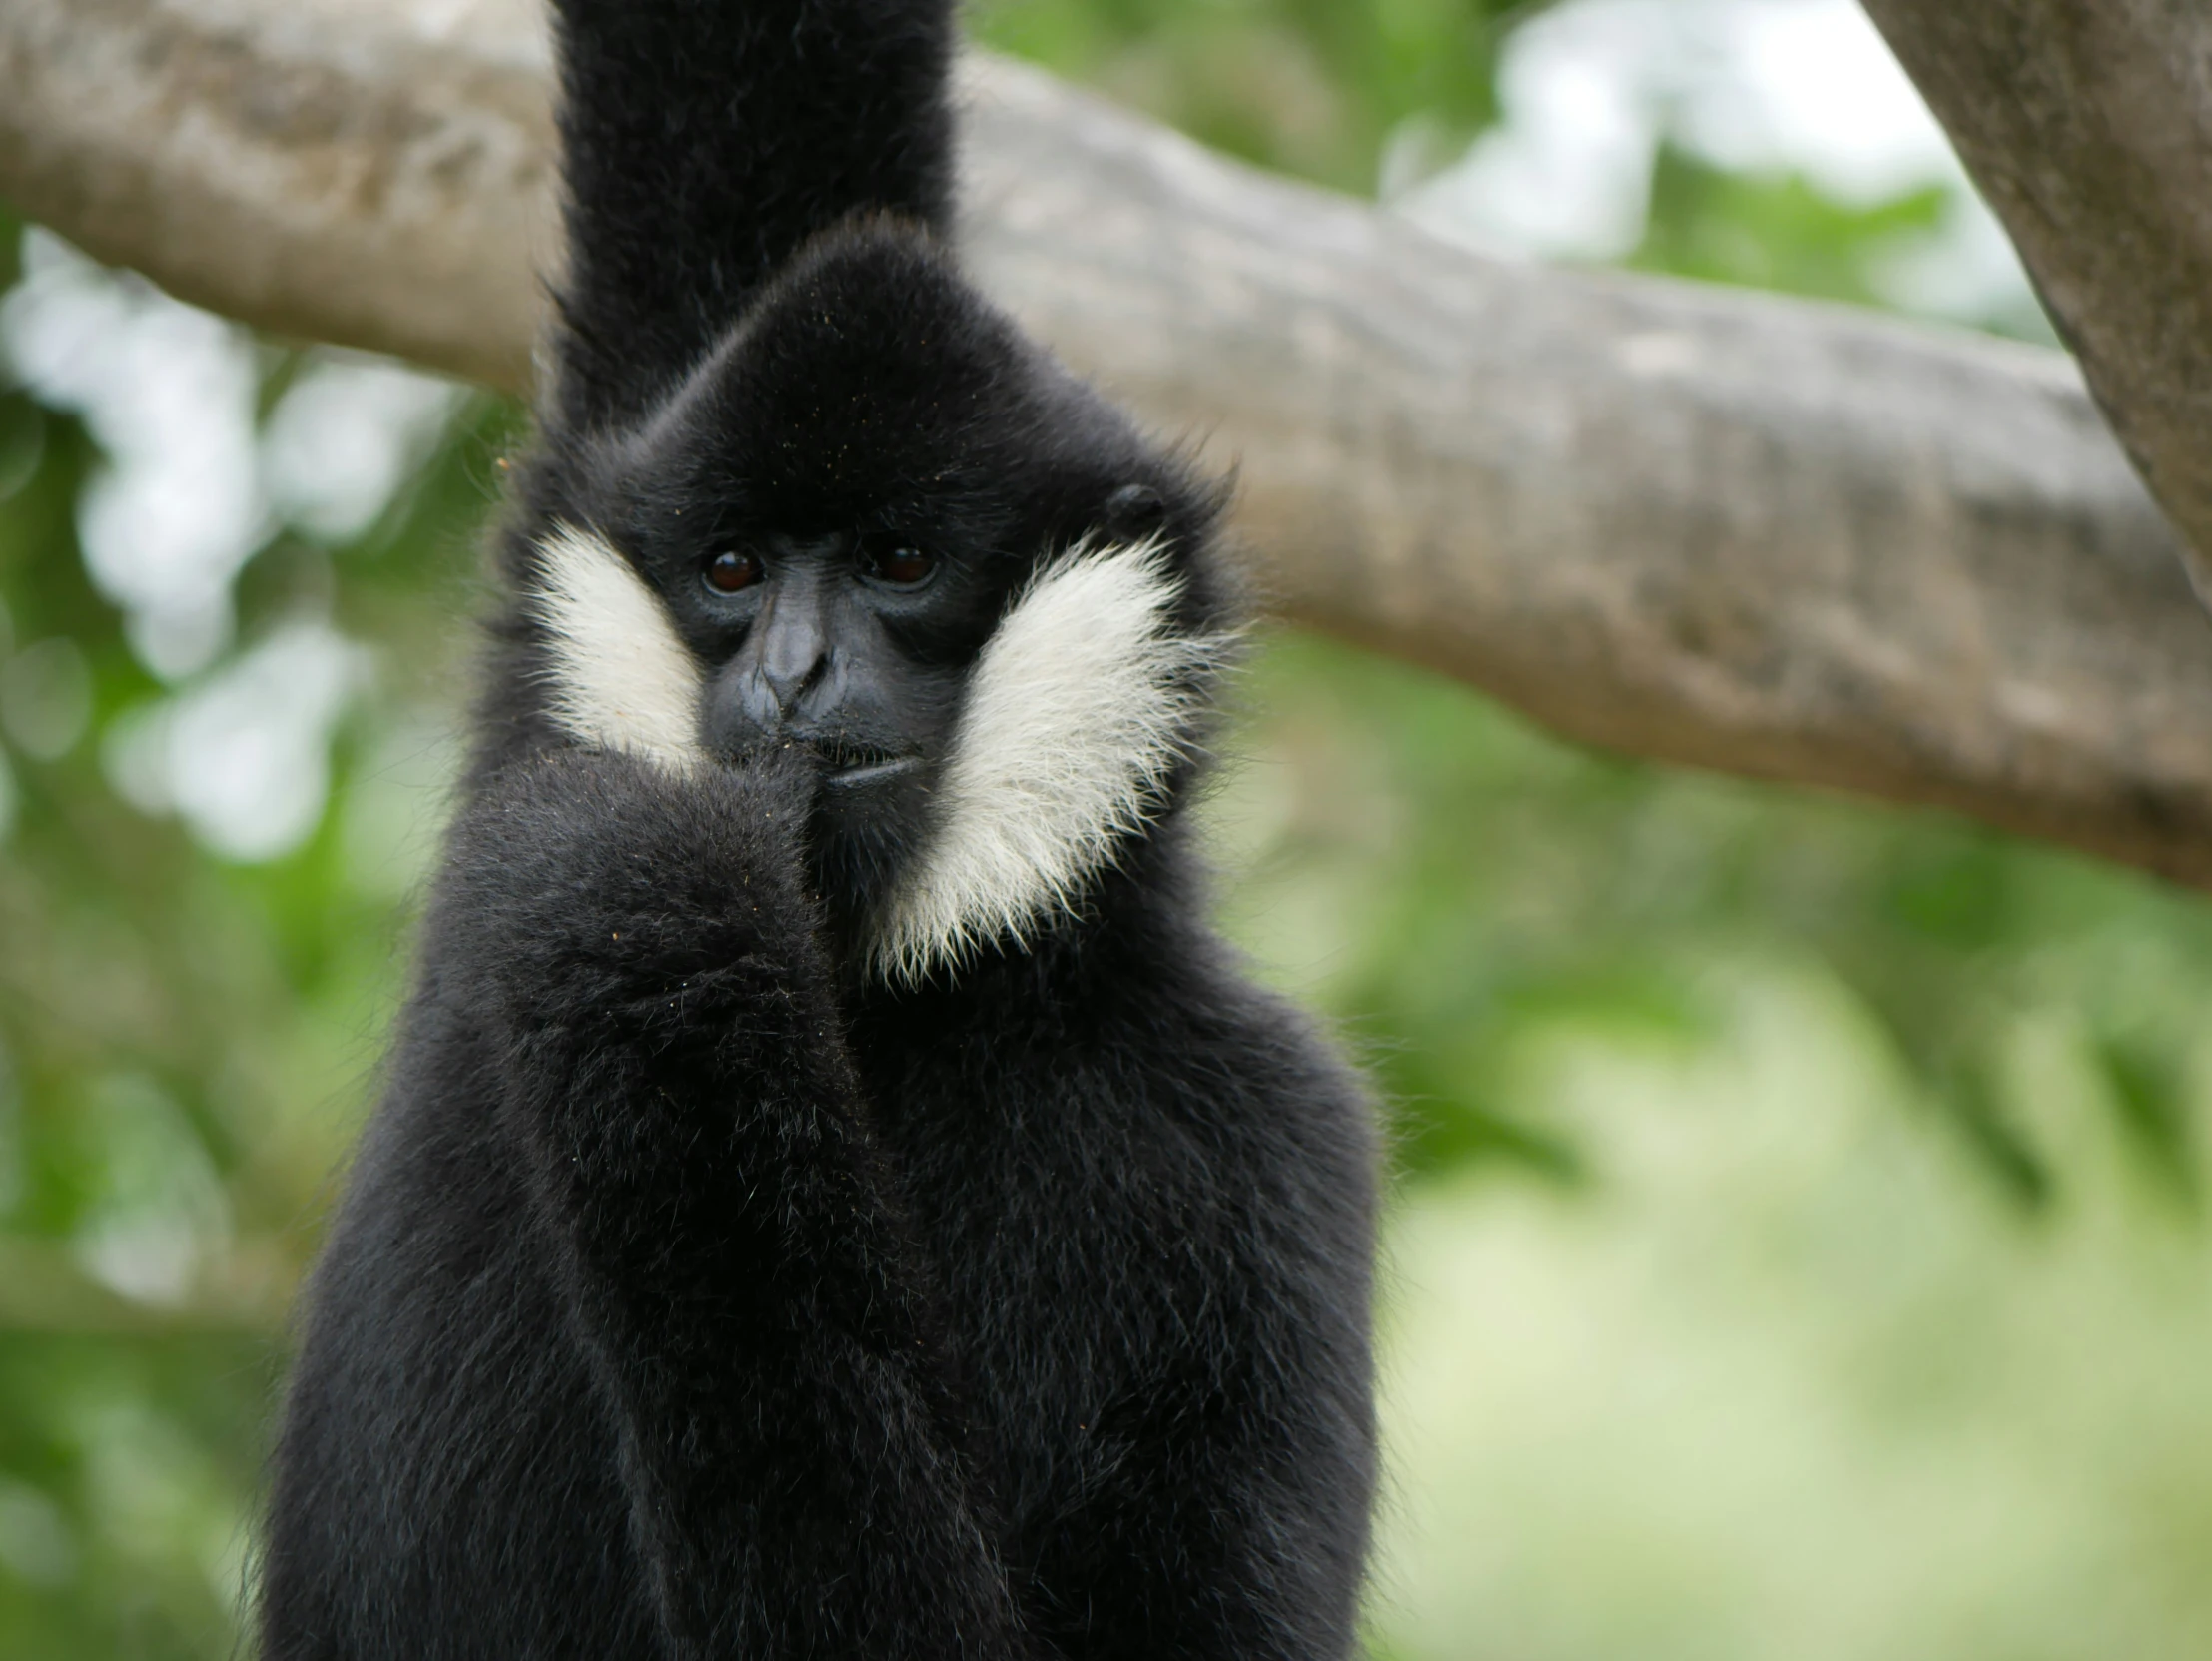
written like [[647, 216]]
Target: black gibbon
[[832, 1196]]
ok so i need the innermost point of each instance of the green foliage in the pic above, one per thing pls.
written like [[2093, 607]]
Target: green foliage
[[1767, 232], [1312, 86], [1457, 886], [185, 1046]]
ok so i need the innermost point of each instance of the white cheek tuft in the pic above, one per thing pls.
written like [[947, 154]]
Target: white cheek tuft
[[1080, 708], [619, 678]]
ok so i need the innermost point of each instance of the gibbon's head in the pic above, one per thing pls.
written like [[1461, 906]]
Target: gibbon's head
[[877, 524]]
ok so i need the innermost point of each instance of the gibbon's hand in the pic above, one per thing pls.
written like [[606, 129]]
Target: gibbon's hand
[[596, 881]]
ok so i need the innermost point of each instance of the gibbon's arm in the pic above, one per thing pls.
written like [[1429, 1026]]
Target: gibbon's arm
[[642, 952], [704, 140]]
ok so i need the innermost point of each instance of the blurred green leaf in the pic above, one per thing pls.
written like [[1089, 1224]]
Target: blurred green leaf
[[1776, 232]]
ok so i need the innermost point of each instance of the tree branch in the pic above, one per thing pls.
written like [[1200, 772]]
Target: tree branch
[[2088, 125], [1712, 527]]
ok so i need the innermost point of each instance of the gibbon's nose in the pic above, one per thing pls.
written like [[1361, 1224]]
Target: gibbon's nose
[[794, 655]]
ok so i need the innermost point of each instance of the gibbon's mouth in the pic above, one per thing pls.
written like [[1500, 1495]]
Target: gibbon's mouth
[[854, 764], [874, 771]]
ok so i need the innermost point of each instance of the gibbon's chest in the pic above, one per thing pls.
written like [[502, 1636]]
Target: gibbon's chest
[[1081, 1241]]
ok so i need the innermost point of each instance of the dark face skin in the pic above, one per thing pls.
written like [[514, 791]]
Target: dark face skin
[[850, 644], [857, 645], [838, 509]]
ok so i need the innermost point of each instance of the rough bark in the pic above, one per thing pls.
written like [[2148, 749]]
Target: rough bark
[[1710, 527], [2088, 125]]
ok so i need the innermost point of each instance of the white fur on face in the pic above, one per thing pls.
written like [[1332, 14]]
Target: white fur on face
[[621, 676], [1080, 708]]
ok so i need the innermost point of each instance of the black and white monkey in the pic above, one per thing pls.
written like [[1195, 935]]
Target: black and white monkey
[[833, 1197]]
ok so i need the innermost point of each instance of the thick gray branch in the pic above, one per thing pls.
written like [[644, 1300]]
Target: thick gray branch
[[2088, 125], [1707, 527]]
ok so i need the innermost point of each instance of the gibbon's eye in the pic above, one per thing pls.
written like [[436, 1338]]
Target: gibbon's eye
[[730, 572], [901, 567]]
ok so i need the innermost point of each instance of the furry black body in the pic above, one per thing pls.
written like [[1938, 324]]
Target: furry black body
[[704, 1288]]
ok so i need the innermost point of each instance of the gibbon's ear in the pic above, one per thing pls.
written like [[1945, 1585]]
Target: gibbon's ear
[[1080, 708], [618, 676]]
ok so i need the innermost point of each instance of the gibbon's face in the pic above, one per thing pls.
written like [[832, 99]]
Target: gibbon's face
[[875, 525]]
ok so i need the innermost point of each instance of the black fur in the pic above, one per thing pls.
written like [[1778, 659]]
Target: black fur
[[696, 1294], [704, 140]]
